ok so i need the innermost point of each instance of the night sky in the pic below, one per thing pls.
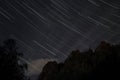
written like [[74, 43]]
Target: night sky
[[50, 29]]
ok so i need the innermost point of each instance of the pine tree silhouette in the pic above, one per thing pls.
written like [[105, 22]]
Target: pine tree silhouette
[[11, 67]]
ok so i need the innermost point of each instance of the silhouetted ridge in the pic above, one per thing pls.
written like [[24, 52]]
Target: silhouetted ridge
[[103, 63]]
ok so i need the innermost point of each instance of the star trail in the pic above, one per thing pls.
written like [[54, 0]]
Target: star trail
[[51, 29]]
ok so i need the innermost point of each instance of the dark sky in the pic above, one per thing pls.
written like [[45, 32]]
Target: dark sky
[[50, 29]]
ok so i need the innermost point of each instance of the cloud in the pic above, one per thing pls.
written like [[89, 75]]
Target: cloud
[[36, 66]]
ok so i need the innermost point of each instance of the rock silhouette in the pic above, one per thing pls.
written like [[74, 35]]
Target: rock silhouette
[[102, 63]]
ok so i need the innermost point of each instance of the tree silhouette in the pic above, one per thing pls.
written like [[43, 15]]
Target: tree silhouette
[[11, 67]]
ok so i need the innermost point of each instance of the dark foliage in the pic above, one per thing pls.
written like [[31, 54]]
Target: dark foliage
[[103, 63], [11, 67]]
